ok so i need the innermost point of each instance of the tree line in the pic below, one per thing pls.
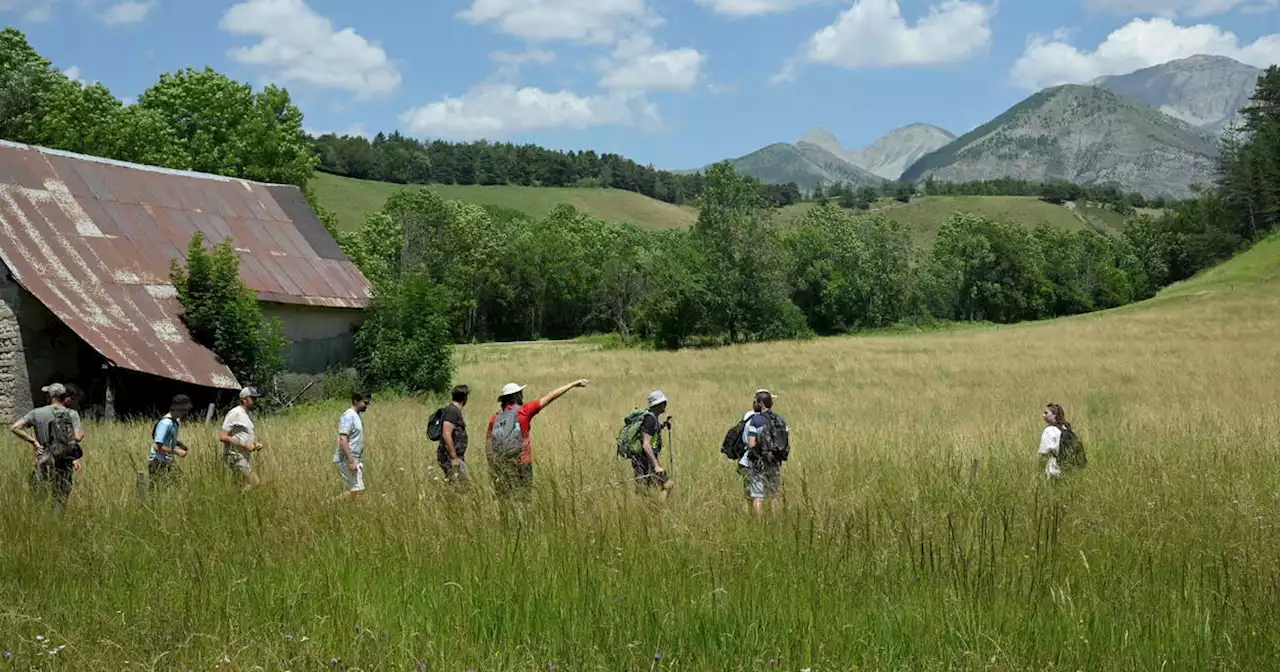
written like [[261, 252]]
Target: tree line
[[196, 120], [447, 272], [1056, 191], [404, 160]]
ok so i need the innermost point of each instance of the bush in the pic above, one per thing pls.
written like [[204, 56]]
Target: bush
[[223, 314], [405, 343]]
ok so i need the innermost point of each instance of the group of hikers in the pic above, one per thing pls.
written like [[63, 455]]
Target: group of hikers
[[759, 444]]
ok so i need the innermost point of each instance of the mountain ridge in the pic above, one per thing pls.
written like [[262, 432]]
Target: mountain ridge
[[1082, 134], [1204, 91]]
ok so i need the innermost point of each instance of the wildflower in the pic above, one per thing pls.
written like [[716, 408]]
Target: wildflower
[[334, 661], [8, 655], [288, 637], [773, 661], [305, 639], [39, 638], [420, 666], [657, 657]]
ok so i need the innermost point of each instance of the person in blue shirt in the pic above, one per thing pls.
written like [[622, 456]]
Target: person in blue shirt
[[165, 444]]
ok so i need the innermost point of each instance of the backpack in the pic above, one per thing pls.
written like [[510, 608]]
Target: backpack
[[435, 425], [629, 442], [1071, 449], [774, 442], [505, 440], [733, 446], [62, 436]]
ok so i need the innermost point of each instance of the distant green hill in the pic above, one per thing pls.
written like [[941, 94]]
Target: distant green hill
[[352, 200], [804, 163], [923, 215]]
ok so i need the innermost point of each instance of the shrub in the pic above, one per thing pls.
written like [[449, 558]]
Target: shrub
[[223, 314]]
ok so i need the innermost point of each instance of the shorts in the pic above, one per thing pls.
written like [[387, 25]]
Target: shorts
[[238, 463], [351, 481], [763, 481], [510, 476], [645, 475]]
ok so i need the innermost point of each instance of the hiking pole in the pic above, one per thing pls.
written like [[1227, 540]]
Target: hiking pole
[[671, 438]]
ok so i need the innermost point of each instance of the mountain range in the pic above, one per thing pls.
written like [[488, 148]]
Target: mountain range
[[1153, 131]]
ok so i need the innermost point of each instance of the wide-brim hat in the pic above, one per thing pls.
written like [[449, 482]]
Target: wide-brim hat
[[510, 389], [54, 389], [657, 398]]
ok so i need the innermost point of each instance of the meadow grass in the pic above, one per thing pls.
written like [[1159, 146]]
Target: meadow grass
[[917, 533], [353, 200]]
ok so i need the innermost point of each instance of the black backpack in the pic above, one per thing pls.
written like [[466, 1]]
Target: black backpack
[[1071, 453], [62, 436], [435, 425], [774, 442], [734, 447]]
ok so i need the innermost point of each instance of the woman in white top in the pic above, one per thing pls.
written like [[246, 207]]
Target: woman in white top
[[1054, 419]]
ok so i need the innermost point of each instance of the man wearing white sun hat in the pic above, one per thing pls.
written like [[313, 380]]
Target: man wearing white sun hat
[[510, 448]]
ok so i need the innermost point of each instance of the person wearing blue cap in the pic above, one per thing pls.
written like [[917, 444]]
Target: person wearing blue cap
[[238, 440]]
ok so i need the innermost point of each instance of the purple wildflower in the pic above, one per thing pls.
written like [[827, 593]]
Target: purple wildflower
[[657, 657], [334, 660], [773, 661], [8, 655]]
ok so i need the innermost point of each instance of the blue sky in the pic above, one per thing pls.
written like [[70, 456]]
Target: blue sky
[[675, 83]]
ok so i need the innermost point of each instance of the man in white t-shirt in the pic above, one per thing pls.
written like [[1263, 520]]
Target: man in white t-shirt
[[238, 440], [349, 456]]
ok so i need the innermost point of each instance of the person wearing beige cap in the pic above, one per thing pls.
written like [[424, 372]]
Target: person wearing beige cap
[[56, 440], [238, 440], [510, 448]]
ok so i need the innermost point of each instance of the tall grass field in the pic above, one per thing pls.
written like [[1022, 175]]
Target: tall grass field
[[917, 531]]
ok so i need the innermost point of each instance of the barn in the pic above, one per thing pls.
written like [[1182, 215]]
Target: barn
[[85, 294]]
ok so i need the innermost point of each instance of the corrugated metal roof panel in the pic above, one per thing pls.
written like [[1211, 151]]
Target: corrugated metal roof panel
[[92, 239]]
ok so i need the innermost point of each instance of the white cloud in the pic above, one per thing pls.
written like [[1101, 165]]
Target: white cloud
[[739, 8], [584, 21], [522, 57], [638, 64], [73, 74], [128, 12], [299, 45], [33, 11], [497, 110], [1167, 8], [873, 33], [1049, 61]]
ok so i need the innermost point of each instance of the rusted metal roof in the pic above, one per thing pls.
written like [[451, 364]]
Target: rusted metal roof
[[92, 239]]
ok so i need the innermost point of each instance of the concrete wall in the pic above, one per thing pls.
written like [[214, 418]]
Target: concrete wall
[[318, 337]]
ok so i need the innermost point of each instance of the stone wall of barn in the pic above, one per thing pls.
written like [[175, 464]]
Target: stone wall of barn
[[36, 349]]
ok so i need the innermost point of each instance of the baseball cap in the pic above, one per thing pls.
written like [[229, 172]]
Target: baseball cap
[[510, 389], [55, 389], [656, 397], [250, 392]]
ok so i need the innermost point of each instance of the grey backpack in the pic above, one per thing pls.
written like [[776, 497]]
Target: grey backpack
[[505, 440]]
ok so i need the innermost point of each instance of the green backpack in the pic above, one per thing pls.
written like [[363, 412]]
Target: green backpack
[[629, 442]]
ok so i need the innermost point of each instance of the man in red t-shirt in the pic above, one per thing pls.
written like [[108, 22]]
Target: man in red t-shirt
[[510, 449]]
